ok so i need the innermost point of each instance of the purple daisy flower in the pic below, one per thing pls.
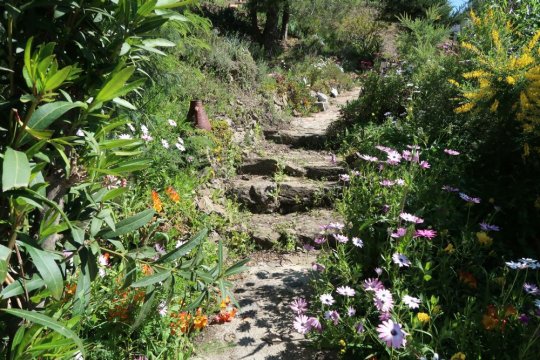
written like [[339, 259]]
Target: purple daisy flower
[[345, 291], [450, 188], [314, 324], [341, 238], [401, 260], [308, 247], [387, 183], [452, 152], [344, 177], [394, 158], [299, 306], [351, 311], [332, 315], [411, 218], [318, 267], [373, 284], [320, 240], [301, 324], [384, 316], [384, 302], [379, 271], [392, 334], [531, 289], [411, 302], [469, 199], [425, 233], [487, 227], [367, 157], [400, 232], [424, 164], [359, 328]]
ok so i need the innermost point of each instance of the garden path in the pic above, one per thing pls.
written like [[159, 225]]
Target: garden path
[[287, 185]]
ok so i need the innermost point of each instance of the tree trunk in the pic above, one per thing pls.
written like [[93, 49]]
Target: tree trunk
[[254, 21], [285, 21], [271, 32]]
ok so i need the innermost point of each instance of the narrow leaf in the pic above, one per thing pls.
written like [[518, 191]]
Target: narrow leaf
[[184, 249], [48, 269], [15, 170], [130, 224], [48, 322], [153, 279]]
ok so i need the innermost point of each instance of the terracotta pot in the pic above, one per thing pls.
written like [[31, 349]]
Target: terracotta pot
[[198, 116]]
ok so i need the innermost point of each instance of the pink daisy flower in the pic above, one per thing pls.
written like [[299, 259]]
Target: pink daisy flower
[[392, 334], [411, 218], [425, 233]]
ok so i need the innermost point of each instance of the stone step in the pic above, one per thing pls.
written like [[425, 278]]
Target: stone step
[[269, 230], [262, 195], [297, 139], [293, 162]]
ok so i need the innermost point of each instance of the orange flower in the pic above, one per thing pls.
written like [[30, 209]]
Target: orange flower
[[225, 302], [147, 269], [181, 323], [139, 296], [70, 289], [173, 195], [200, 321], [157, 205], [490, 319], [225, 316], [468, 279]]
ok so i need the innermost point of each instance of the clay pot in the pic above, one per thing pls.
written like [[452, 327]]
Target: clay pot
[[198, 116]]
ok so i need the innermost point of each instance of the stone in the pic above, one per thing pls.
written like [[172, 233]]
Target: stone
[[258, 166], [312, 93], [321, 106], [322, 97], [334, 93]]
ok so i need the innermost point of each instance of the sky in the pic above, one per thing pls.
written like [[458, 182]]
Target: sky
[[457, 3]]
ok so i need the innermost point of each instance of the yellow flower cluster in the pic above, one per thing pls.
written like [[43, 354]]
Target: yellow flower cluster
[[507, 80]]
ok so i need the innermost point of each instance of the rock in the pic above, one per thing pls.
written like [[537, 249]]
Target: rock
[[322, 97], [258, 166], [334, 93], [206, 205], [321, 105], [296, 113], [312, 93]]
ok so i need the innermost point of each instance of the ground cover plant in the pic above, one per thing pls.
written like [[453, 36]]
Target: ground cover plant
[[437, 256]]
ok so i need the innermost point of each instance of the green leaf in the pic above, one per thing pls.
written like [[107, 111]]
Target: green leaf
[[15, 170], [3, 270], [114, 193], [48, 269], [169, 4], [17, 288], [144, 312], [124, 103], [152, 279], [114, 86], [48, 322], [184, 249], [158, 42], [236, 268], [57, 79], [46, 114], [130, 224], [427, 277], [195, 304]]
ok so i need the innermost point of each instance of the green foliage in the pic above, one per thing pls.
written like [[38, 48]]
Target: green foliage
[[65, 170], [414, 8]]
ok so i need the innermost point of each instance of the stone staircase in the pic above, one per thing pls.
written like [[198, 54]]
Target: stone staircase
[[287, 183]]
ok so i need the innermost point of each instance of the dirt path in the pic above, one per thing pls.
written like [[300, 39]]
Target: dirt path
[[288, 187]]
